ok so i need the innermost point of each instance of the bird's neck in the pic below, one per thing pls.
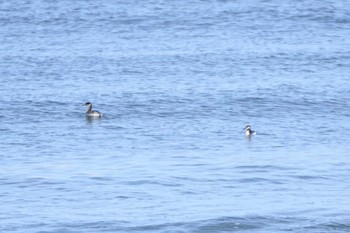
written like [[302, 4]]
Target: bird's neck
[[89, 108]]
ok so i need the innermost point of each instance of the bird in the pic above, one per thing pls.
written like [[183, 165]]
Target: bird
[[248, 131], [90, 112]]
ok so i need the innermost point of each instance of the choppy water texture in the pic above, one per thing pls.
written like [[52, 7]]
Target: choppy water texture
[[176, 81]]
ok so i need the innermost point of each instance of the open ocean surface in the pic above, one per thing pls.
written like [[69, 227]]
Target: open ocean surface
[[177, 81]]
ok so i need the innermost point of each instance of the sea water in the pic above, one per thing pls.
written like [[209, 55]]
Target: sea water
[[176, 81]]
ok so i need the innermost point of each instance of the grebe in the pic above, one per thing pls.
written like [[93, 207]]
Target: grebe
[[90, 112], [248, 131]]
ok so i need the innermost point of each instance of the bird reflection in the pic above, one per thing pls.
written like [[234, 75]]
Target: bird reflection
[[90, 119]]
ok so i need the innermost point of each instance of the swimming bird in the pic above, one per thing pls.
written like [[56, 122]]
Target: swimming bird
[[248, 131], [90, 112]]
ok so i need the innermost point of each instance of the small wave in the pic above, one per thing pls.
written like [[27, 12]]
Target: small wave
[[221, 224]]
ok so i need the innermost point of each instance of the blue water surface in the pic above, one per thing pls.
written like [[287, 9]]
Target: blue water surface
[[176, 82]]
